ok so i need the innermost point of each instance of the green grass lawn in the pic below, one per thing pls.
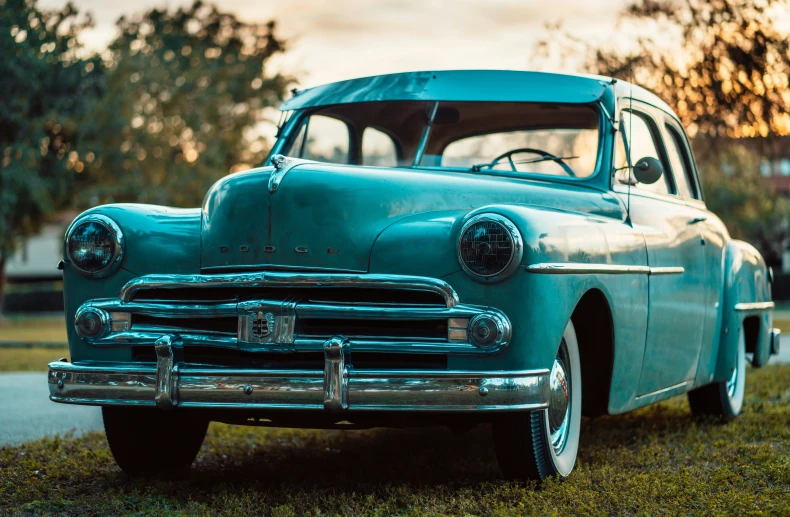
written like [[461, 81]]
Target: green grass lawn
[[33, 330], [33, 359], [658, 460]]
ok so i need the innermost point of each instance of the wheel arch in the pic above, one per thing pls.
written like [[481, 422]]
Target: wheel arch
[[592, 319]]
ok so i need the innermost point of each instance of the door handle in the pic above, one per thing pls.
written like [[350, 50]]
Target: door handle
[[698, 220]]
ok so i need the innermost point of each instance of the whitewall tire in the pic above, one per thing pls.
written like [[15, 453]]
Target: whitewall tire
[[544, 443], [723, 399]]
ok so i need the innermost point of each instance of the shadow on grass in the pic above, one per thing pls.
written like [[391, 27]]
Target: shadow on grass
[[368, 461]]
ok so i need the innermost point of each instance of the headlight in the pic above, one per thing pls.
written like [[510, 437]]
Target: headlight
[[490, 247], [94, 244]]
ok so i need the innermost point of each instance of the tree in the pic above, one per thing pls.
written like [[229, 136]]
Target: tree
[[723, 66], [47, 89], [188, 89], [746, 203]]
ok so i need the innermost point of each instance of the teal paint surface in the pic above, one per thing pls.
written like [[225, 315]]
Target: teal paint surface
[[667, 329]]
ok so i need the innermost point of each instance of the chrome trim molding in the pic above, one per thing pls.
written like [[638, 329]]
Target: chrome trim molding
[[664, 390], [576, 268], [282, 279], [515, 257], [118, 252], [363, 390], [667, 271], [754, 306]]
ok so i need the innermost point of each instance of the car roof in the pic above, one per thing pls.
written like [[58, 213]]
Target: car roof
[[469, 85]]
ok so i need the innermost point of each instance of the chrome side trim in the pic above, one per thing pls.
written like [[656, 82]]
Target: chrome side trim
[[367, 390], [575, 268], [335, 374], [754, 306], [664, 390], [667, 271], [283, 279]]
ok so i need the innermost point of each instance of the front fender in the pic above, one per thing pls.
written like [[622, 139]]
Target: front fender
[[157, 240], [746, 281]]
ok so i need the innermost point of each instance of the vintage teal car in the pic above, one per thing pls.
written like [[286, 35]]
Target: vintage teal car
[[458, 247]]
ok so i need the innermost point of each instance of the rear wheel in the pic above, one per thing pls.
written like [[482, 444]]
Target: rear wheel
[[544, 443], [723, 399], [149, 440]]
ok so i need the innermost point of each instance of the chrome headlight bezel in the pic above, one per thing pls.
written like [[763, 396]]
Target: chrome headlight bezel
[[117, 238], [517, 247]]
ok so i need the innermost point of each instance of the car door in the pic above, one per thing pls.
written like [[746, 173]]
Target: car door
[[713, 234], [675, 252]]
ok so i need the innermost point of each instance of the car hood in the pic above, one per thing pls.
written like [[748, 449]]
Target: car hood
[[324, 216]]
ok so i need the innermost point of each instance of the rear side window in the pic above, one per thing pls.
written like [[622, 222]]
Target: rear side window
[[378, 149], [635, 129], [681, 164]]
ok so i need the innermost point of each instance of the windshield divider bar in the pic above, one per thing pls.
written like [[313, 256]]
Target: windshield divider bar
[[425, 133]]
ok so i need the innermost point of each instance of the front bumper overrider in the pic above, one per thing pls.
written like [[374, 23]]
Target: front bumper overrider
[[169, 383]]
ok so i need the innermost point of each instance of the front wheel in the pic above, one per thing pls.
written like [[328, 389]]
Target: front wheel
[[723, 400], [150, 441], [544, 443]]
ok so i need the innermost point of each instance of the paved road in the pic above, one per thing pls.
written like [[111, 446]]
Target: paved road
[[26, 413]]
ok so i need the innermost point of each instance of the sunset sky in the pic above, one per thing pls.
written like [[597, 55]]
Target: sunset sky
[[340, 39]]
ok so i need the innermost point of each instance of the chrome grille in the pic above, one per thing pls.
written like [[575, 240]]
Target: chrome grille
[[285, 312]]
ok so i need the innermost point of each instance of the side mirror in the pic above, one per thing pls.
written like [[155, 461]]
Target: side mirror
[[648, 170]]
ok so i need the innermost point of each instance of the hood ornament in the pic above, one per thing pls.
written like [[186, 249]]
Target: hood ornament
[[283, 164]]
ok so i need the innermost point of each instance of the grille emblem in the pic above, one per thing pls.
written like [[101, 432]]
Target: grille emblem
[[261, 326]]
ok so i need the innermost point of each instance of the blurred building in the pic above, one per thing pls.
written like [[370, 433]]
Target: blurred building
[[34, 284]]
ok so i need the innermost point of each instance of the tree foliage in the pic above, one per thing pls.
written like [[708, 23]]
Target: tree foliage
[[188, 90], [737, 192], [47, 89], [723, 65]]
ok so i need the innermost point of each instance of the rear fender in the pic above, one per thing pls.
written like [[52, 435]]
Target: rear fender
[[746, 281]]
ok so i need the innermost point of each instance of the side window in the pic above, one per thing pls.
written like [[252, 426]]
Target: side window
[[378, 149], [635, 129], [681, 163], [323, 139]]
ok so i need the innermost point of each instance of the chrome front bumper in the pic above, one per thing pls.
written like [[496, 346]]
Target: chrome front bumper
[[339, 387]]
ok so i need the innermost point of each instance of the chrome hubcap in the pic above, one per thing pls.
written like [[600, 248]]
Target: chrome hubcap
[[559, 400]]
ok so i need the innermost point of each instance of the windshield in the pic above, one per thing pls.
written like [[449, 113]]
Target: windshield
[[483, 137]]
